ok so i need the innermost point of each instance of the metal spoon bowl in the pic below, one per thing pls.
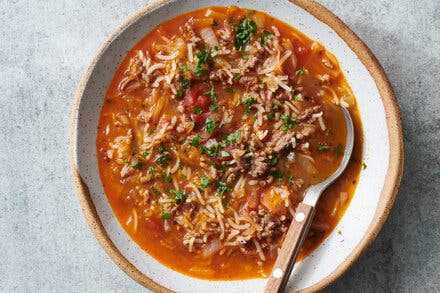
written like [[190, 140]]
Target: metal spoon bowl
[[304, 214]]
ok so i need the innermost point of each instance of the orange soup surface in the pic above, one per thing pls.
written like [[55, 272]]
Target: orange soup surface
[[212, 128]]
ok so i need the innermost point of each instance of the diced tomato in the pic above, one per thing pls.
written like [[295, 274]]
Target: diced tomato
[[195, 97]]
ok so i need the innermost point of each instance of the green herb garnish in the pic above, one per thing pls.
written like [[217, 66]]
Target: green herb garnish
[[222, 187], [210, 125], [266, 36], [288, 122], [213, 108], [198, 110], [244, 32], [299, 72], [183, 67], [204, 182], [138, 165], [166, 215], [338, 150], [164, 160], [212, 94], [180, 196], [195, 141], [323, 147]]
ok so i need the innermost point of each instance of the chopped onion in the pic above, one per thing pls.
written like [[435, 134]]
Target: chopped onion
[[208, 36], [306, 162]]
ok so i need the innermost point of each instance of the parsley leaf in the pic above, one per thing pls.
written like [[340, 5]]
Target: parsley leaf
[[213, 108], [323, 147], [338, 150], [249, 102], [212, 93], [166, 215], [138, 165], [222, 187], [204, 182], [180, 196], [210, 125], [266, 36], [198, 110], [243, 32], [195, 141], [299, 72], [288, 122]]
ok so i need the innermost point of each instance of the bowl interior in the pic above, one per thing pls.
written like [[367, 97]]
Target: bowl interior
[[353, 226]]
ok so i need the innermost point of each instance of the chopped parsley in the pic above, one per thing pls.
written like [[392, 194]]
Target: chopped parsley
[[210, 125], [244, 32], [204, 61], [164, 160], [184, 82], [224, 154], [290, 180], [199, 70], [273, 161], [166, 215], [330, 131], [278, 175], [237, 76], [213, 108], [230, 90], [288, 122], [204, 182], [180, 196], [270, 116], [156, 192], [195, 141], [212, 94], [232, 138], [338, 150], [179, 93], [152, 170], [210, 151], [183, 67], [138, 165], [323, 147], [165, 176], [249, 102], [145, 153], [198, 110], [299, 72], [222, 187], [266, 36], [162, 148], [297, 97]]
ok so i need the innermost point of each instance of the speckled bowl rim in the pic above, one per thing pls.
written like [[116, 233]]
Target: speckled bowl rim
[[389, 190]]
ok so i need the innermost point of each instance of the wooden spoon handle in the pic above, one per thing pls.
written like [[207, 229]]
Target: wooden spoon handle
[[298, 229]]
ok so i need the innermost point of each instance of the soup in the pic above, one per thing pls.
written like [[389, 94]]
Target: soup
[[213, 126]]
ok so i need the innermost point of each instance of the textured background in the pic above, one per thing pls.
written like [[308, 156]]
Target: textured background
[[45, 243]]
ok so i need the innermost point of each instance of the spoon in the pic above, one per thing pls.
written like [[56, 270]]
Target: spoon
[[300, 225]]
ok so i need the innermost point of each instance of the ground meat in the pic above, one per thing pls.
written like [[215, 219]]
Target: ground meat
[[258, 167], [308, 112], [247, 65], [222, 75], [270, 227]]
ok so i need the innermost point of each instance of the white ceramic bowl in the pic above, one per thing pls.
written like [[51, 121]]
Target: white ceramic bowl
[[383, 149]]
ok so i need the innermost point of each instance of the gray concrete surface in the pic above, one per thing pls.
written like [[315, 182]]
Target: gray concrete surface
[[45, 243]]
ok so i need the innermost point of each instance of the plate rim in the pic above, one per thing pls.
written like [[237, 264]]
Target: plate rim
[[392, 179]]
